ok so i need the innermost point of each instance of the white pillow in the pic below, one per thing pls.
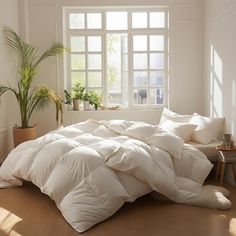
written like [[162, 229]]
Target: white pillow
[[140, 130], [167, 142], [182, 130], [208, 129], [170, 115]]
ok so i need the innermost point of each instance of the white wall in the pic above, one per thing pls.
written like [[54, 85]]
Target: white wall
[[9, 16], [220, 61], [41, 24], [186, 56], [45, 26]]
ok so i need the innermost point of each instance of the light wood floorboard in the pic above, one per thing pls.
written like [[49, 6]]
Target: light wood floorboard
[[25, 211]]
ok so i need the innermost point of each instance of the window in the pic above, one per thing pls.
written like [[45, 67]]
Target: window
[[122, 54]]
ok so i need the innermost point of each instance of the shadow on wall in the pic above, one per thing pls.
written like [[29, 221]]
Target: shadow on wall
[[233, 113], [222, 92], [6, 143], [216, 84]]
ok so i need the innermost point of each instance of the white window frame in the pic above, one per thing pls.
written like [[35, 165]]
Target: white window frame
[[67, 33]]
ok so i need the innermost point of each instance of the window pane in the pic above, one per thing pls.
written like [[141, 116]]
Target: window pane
[[140, 61], [94, 44], [114, 97], [97, 91], [125, 91], [140, 96], [156, 43], [156, 78], [94, 20], [78, 62], [125, 47], [117, 65], [116, 68], [156, 61], [77, 44], [77, 77], [95, 79], [94, 62], [140, 43], [125, 65], [157, 19], [156, 96], [77, 21], [139, 20], [140, 79], [116, 20]]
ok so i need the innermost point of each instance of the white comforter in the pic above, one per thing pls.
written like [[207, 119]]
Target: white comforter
[[91, 168]]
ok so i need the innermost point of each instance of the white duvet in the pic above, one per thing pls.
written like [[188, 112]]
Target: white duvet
[[91, 168]]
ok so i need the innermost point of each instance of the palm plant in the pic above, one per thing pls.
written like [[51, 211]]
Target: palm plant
[[31, 98]]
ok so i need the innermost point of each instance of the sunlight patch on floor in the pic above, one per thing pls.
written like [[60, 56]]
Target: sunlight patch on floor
[[7, 222], [232, 227]]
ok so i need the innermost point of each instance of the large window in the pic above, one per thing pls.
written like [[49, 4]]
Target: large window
[[122, 54]]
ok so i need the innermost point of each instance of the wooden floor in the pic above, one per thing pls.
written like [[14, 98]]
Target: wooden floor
[[27, 212]]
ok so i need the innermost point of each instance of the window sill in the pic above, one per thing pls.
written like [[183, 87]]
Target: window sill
[[119, 110], [69, 108]]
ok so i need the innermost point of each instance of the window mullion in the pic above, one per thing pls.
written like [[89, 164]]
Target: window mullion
[[130, 62], [166, 67], [122, 71], [86, 62], [68, 55], [104, 60], [148, 70]]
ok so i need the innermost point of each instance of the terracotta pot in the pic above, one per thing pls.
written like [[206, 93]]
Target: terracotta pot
[[21, 135]]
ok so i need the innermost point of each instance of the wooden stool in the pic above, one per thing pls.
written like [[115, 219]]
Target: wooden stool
[[225, 157]]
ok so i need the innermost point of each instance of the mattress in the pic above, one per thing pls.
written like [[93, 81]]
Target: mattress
[[208, 149]]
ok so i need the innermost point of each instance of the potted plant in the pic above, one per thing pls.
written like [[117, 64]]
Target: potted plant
[[68, 99], [86, 99], [94, 100], [77, 95], [30, 98]]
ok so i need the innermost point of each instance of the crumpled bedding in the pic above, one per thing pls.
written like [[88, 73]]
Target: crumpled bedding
[[91, 168]]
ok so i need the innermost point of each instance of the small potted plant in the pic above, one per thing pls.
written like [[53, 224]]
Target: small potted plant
[[94, 100], [77, 95]]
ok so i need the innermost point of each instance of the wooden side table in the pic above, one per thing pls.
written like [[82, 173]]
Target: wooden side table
[[225, 157]]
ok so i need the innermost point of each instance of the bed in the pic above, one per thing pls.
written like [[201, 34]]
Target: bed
[[204, 133], [92, 168], [208, 149]]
